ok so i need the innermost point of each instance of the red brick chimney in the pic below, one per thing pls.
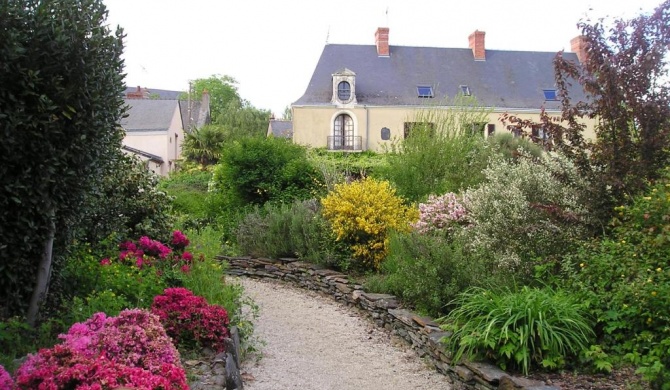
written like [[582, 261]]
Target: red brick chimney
[[382, 41], [476, 41], [578, 45], [138, 94]]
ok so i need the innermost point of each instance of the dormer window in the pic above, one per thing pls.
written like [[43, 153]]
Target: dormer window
[[550, 94], [425, 91], [344, 87], [343, 91]]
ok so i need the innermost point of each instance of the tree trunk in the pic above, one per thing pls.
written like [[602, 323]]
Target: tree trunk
[[43, 274]]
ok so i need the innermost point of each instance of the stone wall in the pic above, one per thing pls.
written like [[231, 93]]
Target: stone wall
[[422, 333]]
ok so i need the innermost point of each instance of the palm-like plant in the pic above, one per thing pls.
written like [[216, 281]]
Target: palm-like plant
[[204, 145]]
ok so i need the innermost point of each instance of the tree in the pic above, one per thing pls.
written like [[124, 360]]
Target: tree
[[222, 92], [60, 103], [624, 74], [288, 114], [244, 121], [204, 145]]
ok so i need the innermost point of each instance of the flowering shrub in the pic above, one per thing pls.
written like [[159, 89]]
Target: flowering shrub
[[527, 211], [130, 350], [440, 214], [179, 240], [6, 382], [363, 213], [190, 320]]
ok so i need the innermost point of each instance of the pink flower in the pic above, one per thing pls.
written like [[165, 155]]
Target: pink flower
[[105, 261], [187, 257], [6, 382], [185, 268], [179, 240]]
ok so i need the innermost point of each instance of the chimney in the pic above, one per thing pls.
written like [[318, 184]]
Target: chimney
[[476, 41], [382, 41], [138, 94], [578, 45]]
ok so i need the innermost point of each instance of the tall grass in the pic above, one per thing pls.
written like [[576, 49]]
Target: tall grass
[[518, 329]]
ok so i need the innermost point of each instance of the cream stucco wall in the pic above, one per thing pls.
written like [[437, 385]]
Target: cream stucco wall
[[313, 124], [167, 144]]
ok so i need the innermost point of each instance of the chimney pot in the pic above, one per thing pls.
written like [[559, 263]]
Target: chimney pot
[[476, 43], [382, 41], [578, 45]]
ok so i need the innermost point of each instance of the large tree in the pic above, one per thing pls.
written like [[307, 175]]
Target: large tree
[[625, 75], [222, 92], [60, 103]]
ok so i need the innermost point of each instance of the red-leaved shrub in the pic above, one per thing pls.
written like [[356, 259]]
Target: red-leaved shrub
[[130, 350], [190, 320]]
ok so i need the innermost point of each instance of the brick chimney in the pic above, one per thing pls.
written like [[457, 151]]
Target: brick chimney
[[578, 45], [476, 41], [138, 94], [382, 41]]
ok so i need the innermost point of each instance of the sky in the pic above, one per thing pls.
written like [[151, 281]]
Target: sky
[[271, 47]]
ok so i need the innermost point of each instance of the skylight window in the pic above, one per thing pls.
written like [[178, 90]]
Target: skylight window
[[424, 91], [465, 90], [550, 94]]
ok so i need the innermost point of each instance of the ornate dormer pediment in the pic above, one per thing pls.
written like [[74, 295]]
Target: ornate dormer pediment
[[344, 87]]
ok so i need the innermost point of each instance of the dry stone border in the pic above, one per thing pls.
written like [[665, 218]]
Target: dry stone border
[[422, 333]]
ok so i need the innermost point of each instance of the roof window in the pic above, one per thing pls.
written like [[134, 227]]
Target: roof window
[[424, 91], [465, 90], [550, 94]]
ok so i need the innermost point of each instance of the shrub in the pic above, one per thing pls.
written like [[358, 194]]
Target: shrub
[[130, 350], [626, 280], [518, 329], [441, 214], [189, 192], [429, 271], [297, 229], [527, 211], [259, 170], [443, 152], [190, 320], [363, 213], [507, 145], [6, 382]]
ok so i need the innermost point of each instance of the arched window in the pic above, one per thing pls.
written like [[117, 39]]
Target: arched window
[[343, 132], [344, 91]]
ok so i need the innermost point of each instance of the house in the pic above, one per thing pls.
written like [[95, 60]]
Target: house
[[155, 127], [361, 97], [280, 128]]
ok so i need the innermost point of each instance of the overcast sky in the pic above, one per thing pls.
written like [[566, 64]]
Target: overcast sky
[[272, 46]]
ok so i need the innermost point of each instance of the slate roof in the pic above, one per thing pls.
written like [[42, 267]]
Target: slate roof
[[142, 153], [507, 79], [148, 115], [199, 115], [280, 128], [163, 94]]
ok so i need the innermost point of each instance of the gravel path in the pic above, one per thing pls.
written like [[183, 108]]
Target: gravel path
[[314, 343]]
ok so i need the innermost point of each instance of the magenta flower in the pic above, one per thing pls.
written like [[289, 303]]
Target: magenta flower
[[6, 382], [179, 240], [187, 257], [105, 261]]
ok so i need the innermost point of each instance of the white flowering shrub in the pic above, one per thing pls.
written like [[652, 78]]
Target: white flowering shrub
[[441, 214], [526, 211]]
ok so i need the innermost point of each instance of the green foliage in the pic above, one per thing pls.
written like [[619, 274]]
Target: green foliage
[[243, 121], [17, 339], [60, 102], [336, 168], [527, 211], [204, 145], [428, 271], [222, 92], [508, 146], [626, 280], [258, 170], [127, 204], [291, 230], [519, 329], [441, 154], [363, 214], [189, 192]]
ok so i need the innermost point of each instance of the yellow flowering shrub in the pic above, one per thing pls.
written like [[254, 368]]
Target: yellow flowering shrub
[[363, 213]]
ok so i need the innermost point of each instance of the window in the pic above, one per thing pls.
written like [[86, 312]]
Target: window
[[539, 134], [413, 127], [478, 128], [424, 91], [549, 94], [343, 132], [490, 129], [344, 91], [465, 90]]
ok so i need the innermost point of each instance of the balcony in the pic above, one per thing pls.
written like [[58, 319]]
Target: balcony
[[346, 143]]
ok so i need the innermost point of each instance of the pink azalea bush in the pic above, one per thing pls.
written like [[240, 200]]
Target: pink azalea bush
[[147, 253], [440, 214], [6, 382], [131, 350], [190, 320]]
